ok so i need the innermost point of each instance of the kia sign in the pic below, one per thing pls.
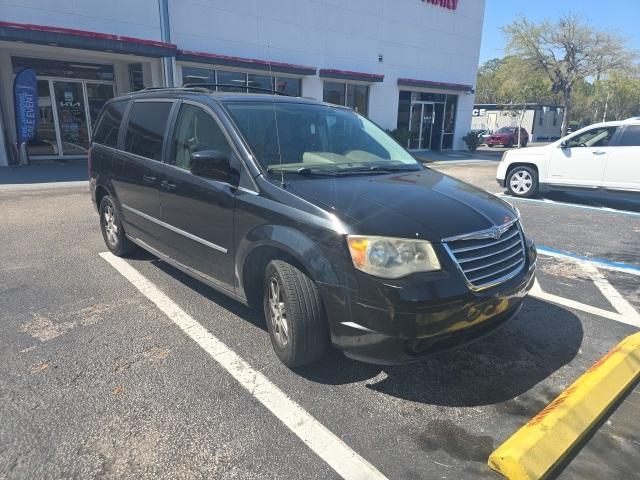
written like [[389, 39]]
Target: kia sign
[[25, 94], [450, 4]]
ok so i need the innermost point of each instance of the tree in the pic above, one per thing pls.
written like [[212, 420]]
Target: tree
[[567, 51], [511, 79], [622, 94]]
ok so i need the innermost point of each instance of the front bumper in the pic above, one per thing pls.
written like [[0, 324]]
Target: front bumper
[[414, 321], [499, 141]]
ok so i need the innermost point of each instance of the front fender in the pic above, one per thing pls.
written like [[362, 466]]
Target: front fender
[[289, 241]]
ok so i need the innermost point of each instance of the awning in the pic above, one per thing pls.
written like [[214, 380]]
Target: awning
[[456, 87], [349, 75], [84, 40], [249, 63]]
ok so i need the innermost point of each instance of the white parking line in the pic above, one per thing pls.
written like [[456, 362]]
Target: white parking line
[[537, 292], [337, 454], [611, 294]]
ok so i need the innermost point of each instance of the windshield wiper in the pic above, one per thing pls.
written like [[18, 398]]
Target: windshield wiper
[[306, 171], [381, 169]]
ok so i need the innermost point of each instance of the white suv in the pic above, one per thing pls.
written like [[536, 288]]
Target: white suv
[[601, 157]]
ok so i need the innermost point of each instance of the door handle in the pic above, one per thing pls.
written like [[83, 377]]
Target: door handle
[[599, 152], [166, 185], [149, 178]]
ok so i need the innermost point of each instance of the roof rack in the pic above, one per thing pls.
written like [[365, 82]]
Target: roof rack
[[184, 87], [213, 86]]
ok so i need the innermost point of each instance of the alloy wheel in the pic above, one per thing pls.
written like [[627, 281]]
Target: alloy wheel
[[277, 313], [110, 225]]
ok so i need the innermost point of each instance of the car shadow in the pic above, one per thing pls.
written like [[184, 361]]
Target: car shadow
[[630, 203], [542, 339], [253, 316]]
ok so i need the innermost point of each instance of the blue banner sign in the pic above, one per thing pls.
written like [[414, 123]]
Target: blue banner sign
[[25, 94]]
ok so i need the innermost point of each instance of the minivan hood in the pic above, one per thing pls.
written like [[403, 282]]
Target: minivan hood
[[422, 204]]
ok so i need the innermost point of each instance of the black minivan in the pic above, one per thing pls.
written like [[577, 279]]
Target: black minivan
[[313, 212]]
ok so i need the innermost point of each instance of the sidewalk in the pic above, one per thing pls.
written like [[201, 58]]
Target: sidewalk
[[428, 156], [43, 176]]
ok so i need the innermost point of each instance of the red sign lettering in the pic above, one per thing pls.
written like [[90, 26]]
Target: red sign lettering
[[450, 4]]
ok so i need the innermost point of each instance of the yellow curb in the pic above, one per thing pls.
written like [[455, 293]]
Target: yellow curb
[[533, 451]]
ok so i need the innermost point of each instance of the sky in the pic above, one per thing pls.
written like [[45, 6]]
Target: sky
[[620, 16]]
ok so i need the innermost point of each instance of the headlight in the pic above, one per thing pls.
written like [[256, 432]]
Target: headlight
[[392, 257]]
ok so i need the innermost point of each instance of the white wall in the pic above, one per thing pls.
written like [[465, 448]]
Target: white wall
[[134, 18], [417, 40]]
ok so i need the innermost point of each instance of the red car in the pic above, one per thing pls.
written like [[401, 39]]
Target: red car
[[508, 137]]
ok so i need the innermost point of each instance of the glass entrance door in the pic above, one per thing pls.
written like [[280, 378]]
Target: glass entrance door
[[68, 110], [72, 117], [425, 125]]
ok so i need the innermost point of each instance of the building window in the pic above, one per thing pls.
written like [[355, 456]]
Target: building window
[[352, 95], [232, 78], [197, 75], [289, 85], [449, 127], [136, 80]]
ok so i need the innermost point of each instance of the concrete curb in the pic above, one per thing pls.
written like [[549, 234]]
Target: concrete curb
[[540, 445]]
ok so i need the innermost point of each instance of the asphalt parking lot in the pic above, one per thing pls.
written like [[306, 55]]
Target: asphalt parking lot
[[100, 377]]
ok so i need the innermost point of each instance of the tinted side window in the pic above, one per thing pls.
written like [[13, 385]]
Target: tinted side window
[[195, 131], [630, 137], [109, 126], [145, 131], [596, 137]]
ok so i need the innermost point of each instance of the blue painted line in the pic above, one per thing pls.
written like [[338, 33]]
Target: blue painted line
[[597, 261], [508, 198]]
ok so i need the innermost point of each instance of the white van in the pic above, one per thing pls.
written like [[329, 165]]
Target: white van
[[604, 157]]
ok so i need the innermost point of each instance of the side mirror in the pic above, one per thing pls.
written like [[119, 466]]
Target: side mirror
[[564, 144], [211, 164]]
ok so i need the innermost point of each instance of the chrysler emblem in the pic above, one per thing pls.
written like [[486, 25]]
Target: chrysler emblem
[[496, 233]]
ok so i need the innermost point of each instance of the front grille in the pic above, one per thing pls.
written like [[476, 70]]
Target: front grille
[[486, 261]]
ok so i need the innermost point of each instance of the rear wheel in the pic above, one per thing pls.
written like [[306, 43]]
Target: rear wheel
[[524, 143], [522, 182], [112, 231], [295, 315]]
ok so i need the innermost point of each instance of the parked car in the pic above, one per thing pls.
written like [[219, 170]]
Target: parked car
[[508, 137], [313, 213], [600, 158], [483, 135]]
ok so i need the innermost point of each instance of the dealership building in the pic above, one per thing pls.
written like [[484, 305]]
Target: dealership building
[[405, 64]]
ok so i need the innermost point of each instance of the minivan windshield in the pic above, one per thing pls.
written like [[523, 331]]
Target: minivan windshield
[[310, 138]]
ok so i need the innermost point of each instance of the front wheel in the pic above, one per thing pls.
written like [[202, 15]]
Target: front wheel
[[522, 182], [295, 315]]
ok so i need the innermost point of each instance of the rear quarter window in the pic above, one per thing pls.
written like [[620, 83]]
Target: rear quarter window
[[146, 128], [630, 137], [109, 124]]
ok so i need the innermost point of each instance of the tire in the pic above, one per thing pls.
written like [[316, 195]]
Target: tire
[[296, 321], [524, 143], [522, 182], [489, 145], [509, 145], [112, 231]]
